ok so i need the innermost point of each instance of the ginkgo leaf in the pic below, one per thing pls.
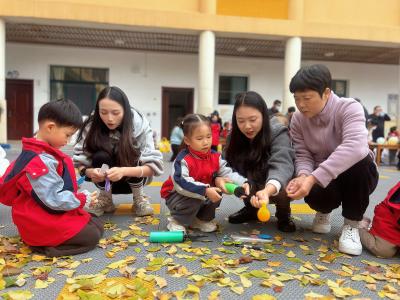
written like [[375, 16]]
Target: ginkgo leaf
[[291, 254], [40, 284], [116, 291], [263, 297], [245, 282], [214, 295], [237, 289], [161, 282], [17, 295]]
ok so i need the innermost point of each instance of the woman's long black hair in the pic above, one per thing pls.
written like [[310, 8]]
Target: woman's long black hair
[[250, 157], [97, 139]]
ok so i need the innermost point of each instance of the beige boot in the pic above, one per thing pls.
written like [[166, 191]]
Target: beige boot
[[141, 205], [103, 205]]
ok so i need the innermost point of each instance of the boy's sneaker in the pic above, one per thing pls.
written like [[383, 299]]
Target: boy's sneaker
[[349, 241], [142, 207], [204, 226], [173, 225], [321, 223], [103, 205]]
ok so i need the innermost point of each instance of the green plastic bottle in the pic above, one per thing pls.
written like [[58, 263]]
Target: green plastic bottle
[[232, 188], [166, 237]]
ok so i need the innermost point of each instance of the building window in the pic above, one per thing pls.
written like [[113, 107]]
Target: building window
[[229, 86], [340, 87], [81, 85]]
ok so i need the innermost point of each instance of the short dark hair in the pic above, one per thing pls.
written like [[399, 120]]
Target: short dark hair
[[63, 112], [315, 77], [277, 102], [291, 109]]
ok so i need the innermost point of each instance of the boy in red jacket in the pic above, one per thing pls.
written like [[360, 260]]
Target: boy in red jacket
[[383, 239], [40, 186]]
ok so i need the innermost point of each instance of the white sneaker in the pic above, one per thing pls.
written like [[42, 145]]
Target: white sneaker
[[204, 226], [142, 207], [349, 241], [173, 225], [321, 223]]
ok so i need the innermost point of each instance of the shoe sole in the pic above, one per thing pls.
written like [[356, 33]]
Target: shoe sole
[[174, 229], [321, 231], [202, 230], [350, 251]]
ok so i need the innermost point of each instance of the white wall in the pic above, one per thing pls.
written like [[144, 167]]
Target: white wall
[[141, 75]]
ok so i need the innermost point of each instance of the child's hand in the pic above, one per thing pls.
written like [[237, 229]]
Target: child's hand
[[246, 187], [92, 199], [213, 193], [115, 173], [220, 183], [95, 175]]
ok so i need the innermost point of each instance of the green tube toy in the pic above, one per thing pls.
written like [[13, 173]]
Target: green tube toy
[[166, 236], [232, 188]]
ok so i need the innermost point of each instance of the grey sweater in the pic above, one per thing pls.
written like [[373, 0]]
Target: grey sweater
[[281, 161], [142, 133]]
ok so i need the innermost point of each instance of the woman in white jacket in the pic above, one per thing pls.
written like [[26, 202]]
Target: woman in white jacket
[[118, 136]]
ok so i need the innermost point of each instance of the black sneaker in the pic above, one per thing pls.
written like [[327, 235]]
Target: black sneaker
[[244, 215], [286, 225]]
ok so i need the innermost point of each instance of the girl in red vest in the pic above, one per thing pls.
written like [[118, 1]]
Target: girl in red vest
[[191, 193], [383, 239]]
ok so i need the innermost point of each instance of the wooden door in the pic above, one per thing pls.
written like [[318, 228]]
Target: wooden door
[[176, 102], [19, 97]]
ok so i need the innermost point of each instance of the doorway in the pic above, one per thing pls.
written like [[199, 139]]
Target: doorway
[[19, 97], [176, 102]]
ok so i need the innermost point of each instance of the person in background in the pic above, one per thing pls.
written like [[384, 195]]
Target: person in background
[[378, 118], [291, 110], [118, 136], [176, 138], [216, 131], [334, 165], [226, 130], [276, 106], [393, 135], [366, 114], [41, 187]]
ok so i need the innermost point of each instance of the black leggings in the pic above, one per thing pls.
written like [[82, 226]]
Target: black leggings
[[122, 186], [351, 189]]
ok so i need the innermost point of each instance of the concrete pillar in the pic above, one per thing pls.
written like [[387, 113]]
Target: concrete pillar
[[3, 104], [296, 10], [292, 65], [206, 72], [208, 6]]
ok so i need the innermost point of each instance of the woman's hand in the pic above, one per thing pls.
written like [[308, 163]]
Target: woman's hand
[[220, 183], [213, 193], [259, 198], [115, 173], [300, 187], [95, 175]]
